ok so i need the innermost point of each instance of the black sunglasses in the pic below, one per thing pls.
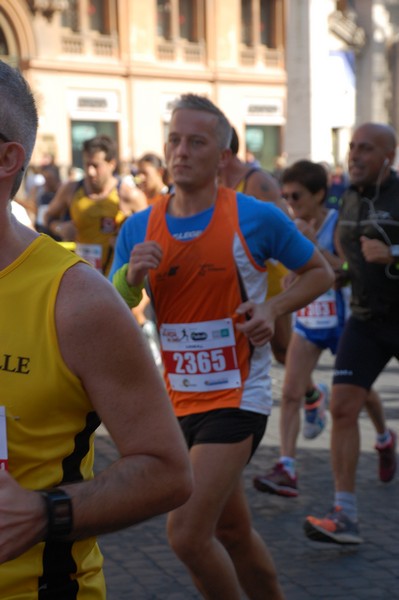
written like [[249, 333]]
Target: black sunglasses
[[295, 196], [4, 138]]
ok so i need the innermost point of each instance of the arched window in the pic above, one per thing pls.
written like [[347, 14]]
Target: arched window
[[4, 51], [9, 48]]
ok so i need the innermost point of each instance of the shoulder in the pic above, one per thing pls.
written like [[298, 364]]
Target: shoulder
[[83, 288], [262, 185], [251, 203], [88, 308], [69, 188], [134, 198], [263, 214]]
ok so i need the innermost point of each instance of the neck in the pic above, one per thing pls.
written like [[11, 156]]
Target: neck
[[320, 216], [104, 192], [234, 172], [14, 238], [186, 203]]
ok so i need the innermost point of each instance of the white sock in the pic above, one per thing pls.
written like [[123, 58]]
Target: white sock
[[383, 438], [347, 501], [288, 463]]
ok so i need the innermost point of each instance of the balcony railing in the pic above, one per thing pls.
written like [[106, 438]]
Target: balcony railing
[[181, 51], [92, 44], [271, 58]]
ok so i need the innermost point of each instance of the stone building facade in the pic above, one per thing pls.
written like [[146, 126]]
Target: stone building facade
[[293, 76]]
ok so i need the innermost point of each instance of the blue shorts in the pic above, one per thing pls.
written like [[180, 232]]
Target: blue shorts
[[327, 337], [322, 338], [223, 426]]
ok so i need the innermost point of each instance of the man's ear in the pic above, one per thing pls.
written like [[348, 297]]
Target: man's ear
[[12, 159], [225, 157], [114, 164]]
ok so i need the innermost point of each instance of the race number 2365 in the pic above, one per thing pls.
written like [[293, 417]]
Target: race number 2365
[[204, 361], [200, 356]]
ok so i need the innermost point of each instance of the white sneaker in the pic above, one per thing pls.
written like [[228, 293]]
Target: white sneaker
[[315, 414]]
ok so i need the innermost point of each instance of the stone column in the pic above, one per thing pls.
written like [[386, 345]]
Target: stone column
[[373, 77], [308, 131]]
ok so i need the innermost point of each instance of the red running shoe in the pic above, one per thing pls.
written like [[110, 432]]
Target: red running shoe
[[387, 458], [277, 481]]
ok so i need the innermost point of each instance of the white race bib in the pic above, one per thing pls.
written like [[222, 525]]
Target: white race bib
[[319, 314], [200, 357], [92, 253]]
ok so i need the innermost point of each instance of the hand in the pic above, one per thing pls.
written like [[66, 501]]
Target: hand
[[144, 256], [23, 519], [259, 326], [375, 251]]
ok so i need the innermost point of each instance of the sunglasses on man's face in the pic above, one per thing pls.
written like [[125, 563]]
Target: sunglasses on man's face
[[295, 196]]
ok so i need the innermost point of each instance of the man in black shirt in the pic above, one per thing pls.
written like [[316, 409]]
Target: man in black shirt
[[369, 235]]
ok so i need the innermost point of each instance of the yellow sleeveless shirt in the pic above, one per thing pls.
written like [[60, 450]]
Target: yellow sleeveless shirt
[[49, 422], [97, 224]]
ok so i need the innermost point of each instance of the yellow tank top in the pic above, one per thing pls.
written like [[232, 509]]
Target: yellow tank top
[[49, 422], [97, 223]]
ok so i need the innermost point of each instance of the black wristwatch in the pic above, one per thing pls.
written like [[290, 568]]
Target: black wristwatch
[[59, 513]]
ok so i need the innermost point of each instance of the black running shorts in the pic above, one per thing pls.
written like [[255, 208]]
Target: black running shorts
[[223, 426], [364, 349]]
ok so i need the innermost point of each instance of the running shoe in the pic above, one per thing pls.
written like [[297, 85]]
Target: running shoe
[[277, 481], [387, 458], [336, 528], [315, 414]]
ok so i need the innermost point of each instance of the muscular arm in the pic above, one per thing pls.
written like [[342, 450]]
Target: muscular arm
[[61, 201], [103, 346], [116, 367], [59, 205]]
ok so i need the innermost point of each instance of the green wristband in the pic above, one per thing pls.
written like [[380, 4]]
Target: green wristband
[[131, 294]]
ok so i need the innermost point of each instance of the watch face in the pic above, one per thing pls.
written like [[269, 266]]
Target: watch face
[[395, 251]]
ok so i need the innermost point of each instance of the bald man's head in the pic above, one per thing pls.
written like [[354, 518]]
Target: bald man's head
[[371, 153]]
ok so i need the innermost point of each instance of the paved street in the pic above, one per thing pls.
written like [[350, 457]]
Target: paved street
[[140, 566]]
